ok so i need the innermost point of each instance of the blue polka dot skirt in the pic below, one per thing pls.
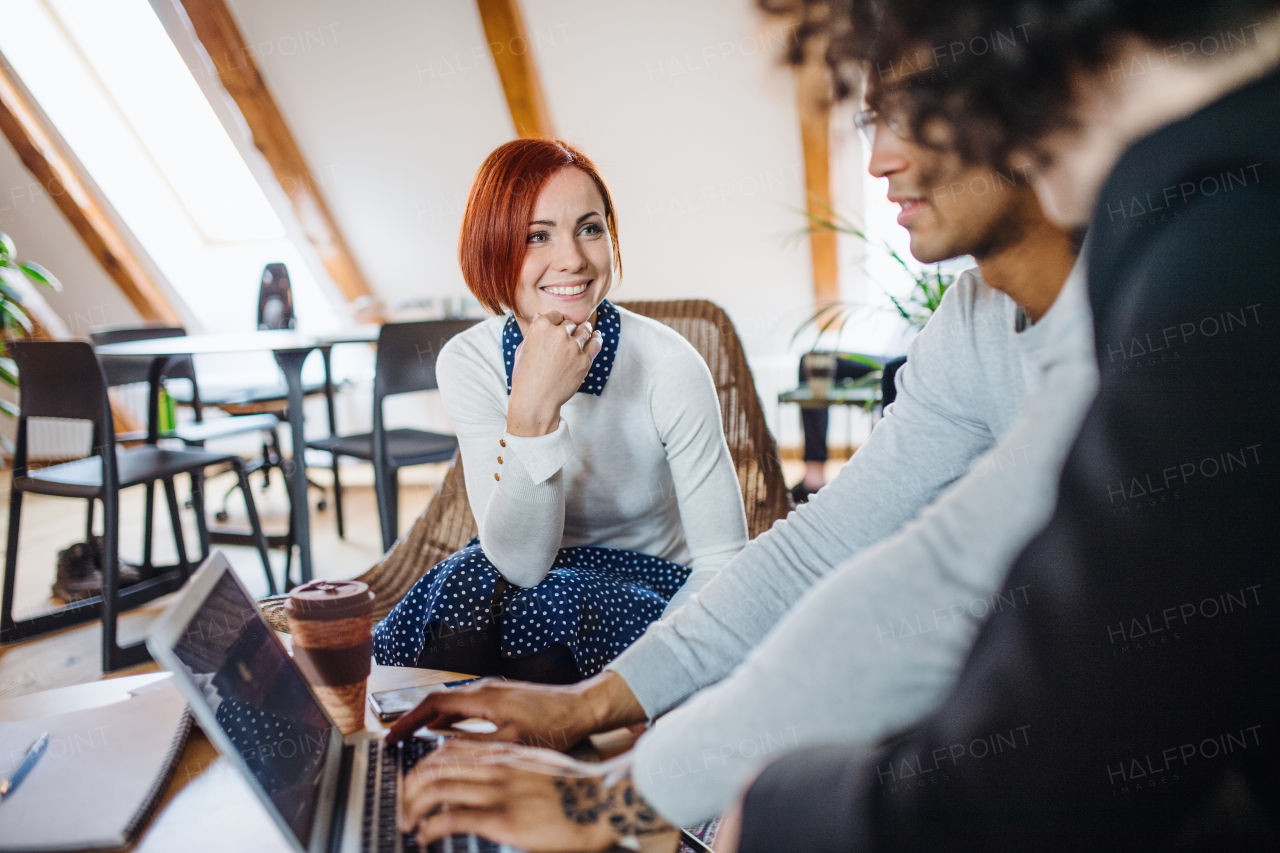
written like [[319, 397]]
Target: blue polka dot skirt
[[596, 601]]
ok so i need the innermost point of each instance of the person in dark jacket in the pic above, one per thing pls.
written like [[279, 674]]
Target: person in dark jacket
[[1133, 704]]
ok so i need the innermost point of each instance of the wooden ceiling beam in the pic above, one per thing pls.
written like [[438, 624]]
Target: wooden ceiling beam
[[513, 55], [231, 56], [814, 101], [49, 159]]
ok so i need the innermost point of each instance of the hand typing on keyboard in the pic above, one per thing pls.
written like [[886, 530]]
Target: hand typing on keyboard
[[536, 799], [555, 716]]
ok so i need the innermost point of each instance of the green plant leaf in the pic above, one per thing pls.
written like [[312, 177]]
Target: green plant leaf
[[832, 318], [12, 279], [9, 371], [39, 274], [906, 315], [7, 249], [817, 315], [8, 293], [928, 286], [10, 409], [14, 317], [831, 222], [858, 358]]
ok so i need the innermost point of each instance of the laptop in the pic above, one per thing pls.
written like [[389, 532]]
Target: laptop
[[327, 793]]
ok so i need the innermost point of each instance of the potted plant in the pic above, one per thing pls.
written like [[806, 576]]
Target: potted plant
[[16, 276], [929, 284]]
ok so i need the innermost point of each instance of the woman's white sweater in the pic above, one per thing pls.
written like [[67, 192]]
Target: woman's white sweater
[[644, 466]]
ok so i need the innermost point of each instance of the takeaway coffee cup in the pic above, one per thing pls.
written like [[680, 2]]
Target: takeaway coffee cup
[[332, 627]]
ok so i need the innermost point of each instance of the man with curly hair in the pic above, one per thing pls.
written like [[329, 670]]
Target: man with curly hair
[[1131, 704]]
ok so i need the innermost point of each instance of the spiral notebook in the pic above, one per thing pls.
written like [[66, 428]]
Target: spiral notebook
[[101, 777]]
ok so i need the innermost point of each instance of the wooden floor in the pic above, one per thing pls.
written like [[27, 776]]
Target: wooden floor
[[73, 656]]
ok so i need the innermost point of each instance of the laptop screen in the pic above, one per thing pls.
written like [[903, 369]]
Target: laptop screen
[[260, 700]]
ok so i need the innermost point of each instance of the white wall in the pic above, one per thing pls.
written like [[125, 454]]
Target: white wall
[[394, 104], [684, 106]]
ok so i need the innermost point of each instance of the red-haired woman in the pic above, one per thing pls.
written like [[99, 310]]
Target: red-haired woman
[[596, 463]]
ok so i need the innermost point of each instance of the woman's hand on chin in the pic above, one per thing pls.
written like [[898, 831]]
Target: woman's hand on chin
[[549, 367]]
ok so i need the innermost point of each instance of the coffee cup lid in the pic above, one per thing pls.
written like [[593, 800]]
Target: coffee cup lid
[[329, 600]]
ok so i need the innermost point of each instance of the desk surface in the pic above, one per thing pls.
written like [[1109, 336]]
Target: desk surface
[[838, 395], [363, 334], [264, 341], [209, 806]]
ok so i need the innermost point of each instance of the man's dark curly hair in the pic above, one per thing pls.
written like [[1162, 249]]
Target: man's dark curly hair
[[999, 71]]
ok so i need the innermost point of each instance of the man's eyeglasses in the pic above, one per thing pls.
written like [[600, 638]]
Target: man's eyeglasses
[[867, 120]]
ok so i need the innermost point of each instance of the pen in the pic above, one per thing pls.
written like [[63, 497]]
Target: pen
[[33, 755]]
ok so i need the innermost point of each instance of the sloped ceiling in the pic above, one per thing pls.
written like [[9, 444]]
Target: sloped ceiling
[[390, 146], [42, 234], [682, 104]]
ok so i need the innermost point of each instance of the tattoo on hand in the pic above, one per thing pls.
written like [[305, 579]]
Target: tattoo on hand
[[587, 801]]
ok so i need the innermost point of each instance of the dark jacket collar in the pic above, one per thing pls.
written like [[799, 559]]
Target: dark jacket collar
[[1229, 147]]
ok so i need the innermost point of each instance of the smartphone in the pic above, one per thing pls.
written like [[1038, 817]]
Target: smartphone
[[391, 705]]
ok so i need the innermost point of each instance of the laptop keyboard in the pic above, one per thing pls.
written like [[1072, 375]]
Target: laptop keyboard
[[379, 830]]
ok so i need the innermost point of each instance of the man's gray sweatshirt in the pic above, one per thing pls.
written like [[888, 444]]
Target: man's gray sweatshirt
[[848, 620]]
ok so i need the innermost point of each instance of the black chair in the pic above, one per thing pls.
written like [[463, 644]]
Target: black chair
[[275, 299], [888, 384], [406, 363], [63, 379], [123, 370], [255, 397]]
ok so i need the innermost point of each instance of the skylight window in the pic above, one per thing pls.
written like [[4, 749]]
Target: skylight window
[[110, 79], [151, 86]]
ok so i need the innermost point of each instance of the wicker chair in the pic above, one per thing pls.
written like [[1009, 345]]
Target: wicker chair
[[446, 524]]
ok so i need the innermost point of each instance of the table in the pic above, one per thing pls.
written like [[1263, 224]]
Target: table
[[208, 805], [863, 393], [291, 349]]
